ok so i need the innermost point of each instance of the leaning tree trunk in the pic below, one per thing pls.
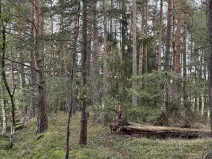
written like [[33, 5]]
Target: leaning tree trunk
[[209, 33], [42, 121]]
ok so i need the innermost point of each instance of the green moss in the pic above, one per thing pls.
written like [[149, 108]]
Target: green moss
[[101, 144]]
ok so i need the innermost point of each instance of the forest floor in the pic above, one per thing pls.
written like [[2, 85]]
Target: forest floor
[[101, 144]]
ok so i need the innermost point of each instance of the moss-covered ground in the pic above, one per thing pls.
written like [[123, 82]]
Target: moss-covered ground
[[101, 144]]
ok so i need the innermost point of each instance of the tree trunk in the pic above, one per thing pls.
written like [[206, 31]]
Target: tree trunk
[[185, 96], [160, 35], [173, 37], [168, 37], [72, 94], [52, 47], [141, 52], [145, 14], [134, 61], [83, 122], [42, 121], [95, 68], [20, 50], [209, 35], [4, 119], [20, 37], [105, 70], [200, 77], [177, 58], [33, 79], [166, 102], [205, 112], [6, 84], [166, 66]]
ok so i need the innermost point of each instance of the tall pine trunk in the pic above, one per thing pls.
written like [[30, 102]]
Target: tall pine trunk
[[42, 121], [209, 35], [72, 93], [166, 66], [168, 36], [105, 70], [145, 14], [52, 48], [141, 49], [173, 36], [160, 35], [33, 79], [134, 61], [185, 96], [21, 54], [178, 51], [83, 121], [95, 68]]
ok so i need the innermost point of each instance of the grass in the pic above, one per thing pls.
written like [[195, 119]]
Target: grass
[[101, 144]]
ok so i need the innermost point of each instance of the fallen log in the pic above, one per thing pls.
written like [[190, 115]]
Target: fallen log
[[208, 155], [160, 132]]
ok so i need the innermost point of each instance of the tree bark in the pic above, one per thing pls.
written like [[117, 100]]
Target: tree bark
[[141, 52], [209, 38], [105, 70], [6, 84], [95, 68], [134, 61], [177, 58], [42, 121], [20, 50], [168, 37], [166, 102], [20, 37], [185, 96], [160, 35], [83, 122], [173, 37], [4, 119], [33, 79], [145, 14], [72, 94], [52, 47]]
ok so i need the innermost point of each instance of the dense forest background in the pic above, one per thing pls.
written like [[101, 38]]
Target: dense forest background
[[147, 59]]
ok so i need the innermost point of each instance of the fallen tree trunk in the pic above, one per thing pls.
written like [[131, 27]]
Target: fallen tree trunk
[[160, 132]]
